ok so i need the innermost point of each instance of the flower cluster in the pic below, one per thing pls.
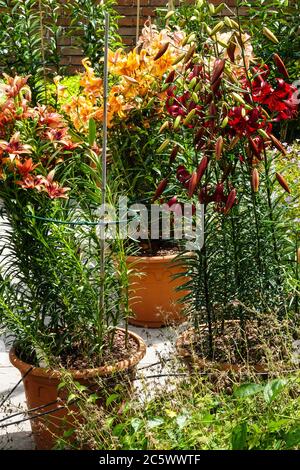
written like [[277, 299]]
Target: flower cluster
[[227, 105], [136, 79], [34, 141]]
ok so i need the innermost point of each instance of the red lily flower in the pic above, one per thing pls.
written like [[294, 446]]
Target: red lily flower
[[31, 182], [281, 101], [53, 189], [14, 146], [25, 168], [48, 118], [247, 122]]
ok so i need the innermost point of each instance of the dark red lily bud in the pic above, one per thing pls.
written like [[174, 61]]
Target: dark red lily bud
[[201, 168], [203, 195], [209, 99], [160, 189], [230, 201], [231, 50], [216, 85], [219, 195], [254, 148], [196, 70], [278, 144], [174, 153], [172, 201], [189, 54], [281, 66], [217, 70], [170, 77], [255, 180], [161, 51], [199, 139], [283, 183], [192, 184], [219, 147], [212, 109]]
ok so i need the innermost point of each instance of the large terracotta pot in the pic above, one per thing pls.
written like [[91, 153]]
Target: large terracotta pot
[[41, 388], [152, 295]]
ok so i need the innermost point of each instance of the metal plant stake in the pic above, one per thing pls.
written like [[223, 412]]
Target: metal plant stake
[[104, 169]]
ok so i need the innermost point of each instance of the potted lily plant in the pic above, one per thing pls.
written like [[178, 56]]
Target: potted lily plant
[[135, 115], [50, 266], [223, 104]]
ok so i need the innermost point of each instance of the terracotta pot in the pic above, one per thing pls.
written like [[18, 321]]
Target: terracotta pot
[[152, 296], [185, 349], [41, 388]]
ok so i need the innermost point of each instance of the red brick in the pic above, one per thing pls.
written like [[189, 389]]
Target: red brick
[[130, 21], [71, 51]]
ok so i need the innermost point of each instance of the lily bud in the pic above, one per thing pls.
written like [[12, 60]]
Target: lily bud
[[163, 146], [270, 35], [170, 77], [219, 147], [212, 9], [280, 65], [169, 14], [160, 189], [278, 144], [192, 184], [178, 59], [189, 54], [283, 183], [238, 98], [161, 51], [217, 70], [217, 28], [255, 180], [228, 22], [201, 168], [163, 127], [193, 82], [263, 134], [224, 122], [235, 25], [231, 50], [254, 148], [189, 117], [174, 153], [177, 123], [230, 201], [216, 85]]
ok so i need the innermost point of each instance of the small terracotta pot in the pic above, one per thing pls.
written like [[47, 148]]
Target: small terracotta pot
[[185, 349], [41, 388], [152, 295]]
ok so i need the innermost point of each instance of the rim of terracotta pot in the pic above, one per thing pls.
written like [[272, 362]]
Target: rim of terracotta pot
[[85, 373], [184, 339], [154, 259]]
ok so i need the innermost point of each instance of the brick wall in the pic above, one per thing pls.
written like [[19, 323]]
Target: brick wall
[[128, 8], [71, 55]]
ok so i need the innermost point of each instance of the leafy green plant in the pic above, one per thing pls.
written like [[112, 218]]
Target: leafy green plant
[[87, 26], [29, 34], [214, 107], [50, 269], [259, 415]]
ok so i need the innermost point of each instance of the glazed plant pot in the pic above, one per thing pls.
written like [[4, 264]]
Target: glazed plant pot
[[185, 346], [152, 295], [41, 390]]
